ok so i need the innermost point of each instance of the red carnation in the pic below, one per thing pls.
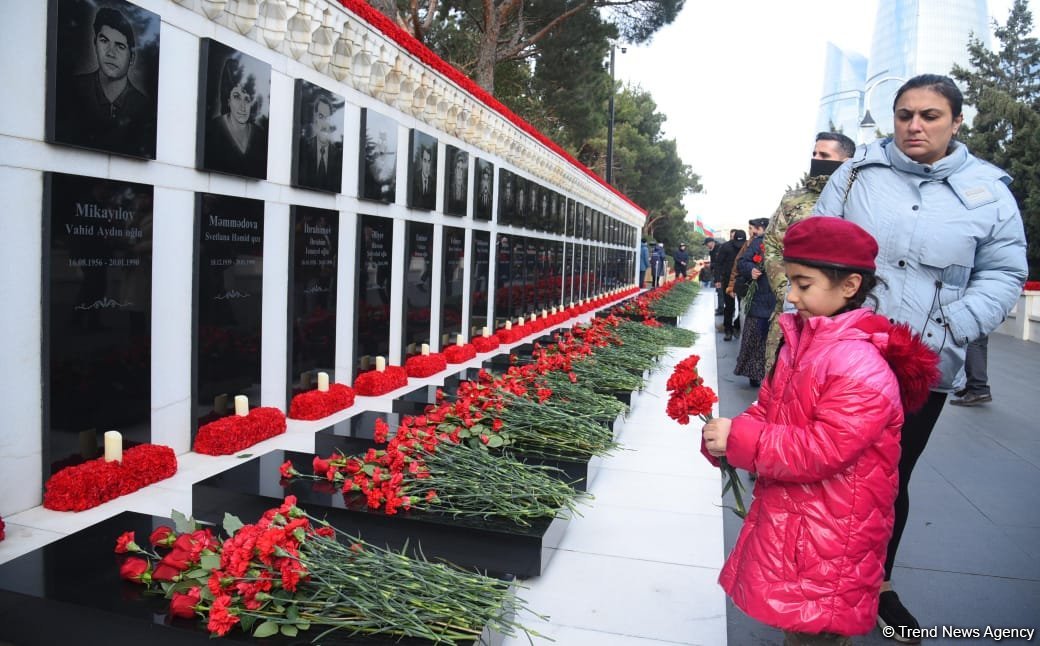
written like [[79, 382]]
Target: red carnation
[[134, 569], [163, 536], [125, 543], [183, 604]]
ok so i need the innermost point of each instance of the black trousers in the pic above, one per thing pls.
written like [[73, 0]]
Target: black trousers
[[917, 428]]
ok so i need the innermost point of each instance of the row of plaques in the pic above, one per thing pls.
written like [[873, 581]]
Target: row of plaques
[[98, 296], [102, 94]]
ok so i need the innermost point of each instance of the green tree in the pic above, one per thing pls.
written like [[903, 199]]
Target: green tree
[[477, 36], [1004, 86], [647, 166]]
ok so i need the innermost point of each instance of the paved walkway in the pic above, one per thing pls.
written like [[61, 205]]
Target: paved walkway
[[970, 556]]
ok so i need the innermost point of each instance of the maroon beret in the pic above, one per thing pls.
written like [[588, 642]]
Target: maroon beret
[[824, 241]]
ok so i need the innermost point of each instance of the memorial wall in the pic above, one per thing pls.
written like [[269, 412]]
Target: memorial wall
[[206, 199]]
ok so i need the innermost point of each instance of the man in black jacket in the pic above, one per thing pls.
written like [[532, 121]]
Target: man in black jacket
[[724, 260]]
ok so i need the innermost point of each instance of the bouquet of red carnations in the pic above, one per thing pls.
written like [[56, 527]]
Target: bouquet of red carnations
[[688, 396]]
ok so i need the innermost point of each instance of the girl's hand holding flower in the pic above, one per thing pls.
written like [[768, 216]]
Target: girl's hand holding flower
[[715, 434]]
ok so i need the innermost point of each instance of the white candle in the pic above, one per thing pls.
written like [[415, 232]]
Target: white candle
[[426, 349], [485, 332], [380, 364], [545, 314], [241, 405], [509, 325], [323, 382], [113, 446], [459, 341]]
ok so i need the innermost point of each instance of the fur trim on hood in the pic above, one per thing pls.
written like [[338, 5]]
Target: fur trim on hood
[[915, 365]]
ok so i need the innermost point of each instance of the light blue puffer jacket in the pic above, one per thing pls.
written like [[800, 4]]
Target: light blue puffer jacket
[[952, 245]]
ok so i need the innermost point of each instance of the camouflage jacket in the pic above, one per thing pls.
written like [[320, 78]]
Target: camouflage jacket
[[797, 204]]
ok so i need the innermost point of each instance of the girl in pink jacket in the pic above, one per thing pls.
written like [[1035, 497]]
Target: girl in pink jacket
[[823, 438]]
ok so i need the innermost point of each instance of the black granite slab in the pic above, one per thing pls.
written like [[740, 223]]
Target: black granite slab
[[252, 487], [70, 592], [577, 472]]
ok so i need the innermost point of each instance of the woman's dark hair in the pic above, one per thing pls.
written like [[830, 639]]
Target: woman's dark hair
[[866, 286], [937, 83], [235, 73]]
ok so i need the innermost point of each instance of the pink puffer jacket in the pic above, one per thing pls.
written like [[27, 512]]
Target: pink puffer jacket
[[824, 441]]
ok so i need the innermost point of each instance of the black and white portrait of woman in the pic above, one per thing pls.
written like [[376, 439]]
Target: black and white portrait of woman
[[103, 76], [234, 113]]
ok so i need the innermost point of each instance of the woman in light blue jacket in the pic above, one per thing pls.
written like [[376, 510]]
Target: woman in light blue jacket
[[952, 254]]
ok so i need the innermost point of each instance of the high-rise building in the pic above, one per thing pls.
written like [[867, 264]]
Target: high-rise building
[[911, 37], [841, 104]]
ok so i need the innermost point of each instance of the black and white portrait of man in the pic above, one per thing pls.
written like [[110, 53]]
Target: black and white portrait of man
[[422, 171], [318, 138], [483, 180], [103, 76], [456, 184]]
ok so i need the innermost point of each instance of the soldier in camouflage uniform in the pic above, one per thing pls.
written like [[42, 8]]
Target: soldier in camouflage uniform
[[830, 151]]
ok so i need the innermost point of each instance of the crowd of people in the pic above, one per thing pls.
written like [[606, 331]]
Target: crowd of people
[[865, 301]]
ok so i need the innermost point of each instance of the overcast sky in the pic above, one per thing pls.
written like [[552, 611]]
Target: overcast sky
[[740, 83]]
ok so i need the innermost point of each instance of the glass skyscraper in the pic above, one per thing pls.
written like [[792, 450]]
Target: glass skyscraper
[[841, 105], [911, 37]]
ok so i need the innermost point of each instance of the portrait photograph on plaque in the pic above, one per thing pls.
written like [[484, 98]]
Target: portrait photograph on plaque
[[483, 180], [228, 287], [378, 163], [102, 76], [97, 307], [372, 291], [234, 109], [422, 170], [313, 255], [506, 197], [456, 181], [317, 161]]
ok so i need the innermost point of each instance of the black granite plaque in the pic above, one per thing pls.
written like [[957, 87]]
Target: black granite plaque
[[483, 182], [417, 280], [372, 296], [317, 160], [422, 171], [234, 110], [377, 166], [313, 253], [569, 289], [518, 277], [97, 50], [97, 296], [229, 272], [456, 181], [496, 545], [480, 258], [503, 278], [453, 267], [522, 208], [534, 211], [70, 591], [506, 197]]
